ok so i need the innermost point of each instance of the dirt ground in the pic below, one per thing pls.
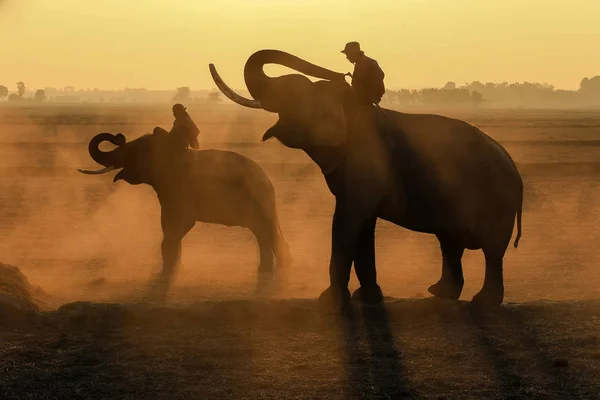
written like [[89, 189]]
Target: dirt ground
[[84, 238]]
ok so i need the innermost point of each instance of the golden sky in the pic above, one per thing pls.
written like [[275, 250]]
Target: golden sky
[[162, 44]]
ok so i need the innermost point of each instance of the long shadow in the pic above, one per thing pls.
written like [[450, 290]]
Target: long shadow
[[374, 371], [490, 327], [562, 380], [510, 382]]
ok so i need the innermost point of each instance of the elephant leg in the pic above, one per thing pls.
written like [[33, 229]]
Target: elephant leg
[[451, 283], [175, 226], [344, 235], [364, 265], [494, 248], [261, 227], [492, 292], [265, 241]]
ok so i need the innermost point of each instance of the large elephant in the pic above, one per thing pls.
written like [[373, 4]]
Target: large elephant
[[213, 186], [427, 173]]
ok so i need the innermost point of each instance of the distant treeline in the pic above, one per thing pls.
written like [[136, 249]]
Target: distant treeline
[[69, 94], [499, 95], [474, 94]]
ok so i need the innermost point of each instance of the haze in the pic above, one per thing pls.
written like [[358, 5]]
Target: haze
[[160, 44]]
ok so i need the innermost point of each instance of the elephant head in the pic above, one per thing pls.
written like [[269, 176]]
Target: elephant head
[[143, 160], [313, 116]]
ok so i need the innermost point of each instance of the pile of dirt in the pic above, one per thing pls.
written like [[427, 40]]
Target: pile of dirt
[[17, 296]]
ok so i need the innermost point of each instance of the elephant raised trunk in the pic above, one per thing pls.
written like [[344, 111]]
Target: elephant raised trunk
[[109, 159], [266, 90]]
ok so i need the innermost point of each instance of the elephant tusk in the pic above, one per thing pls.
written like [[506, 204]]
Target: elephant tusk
[[97, 172], [227, 91]]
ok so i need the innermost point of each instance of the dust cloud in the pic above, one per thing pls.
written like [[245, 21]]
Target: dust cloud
[[82, 237]]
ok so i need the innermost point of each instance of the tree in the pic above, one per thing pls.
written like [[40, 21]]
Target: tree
[[3, 92], [477, 86], [21, 89], [40, 95], [183, 94], [450, 86], [214, 97], [476, 98], [591, 85]]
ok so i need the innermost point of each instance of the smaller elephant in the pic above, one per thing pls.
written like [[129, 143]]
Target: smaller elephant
[[213, 186]]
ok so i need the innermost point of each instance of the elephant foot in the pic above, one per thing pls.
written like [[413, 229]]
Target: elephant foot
[[487, 298], [332, 298], [446, 289], [157, 290], [266, 284], [371, 295]]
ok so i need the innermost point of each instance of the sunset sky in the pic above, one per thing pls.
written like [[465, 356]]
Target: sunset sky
[[162, 44]]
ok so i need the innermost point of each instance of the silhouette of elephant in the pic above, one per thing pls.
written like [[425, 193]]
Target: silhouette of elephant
[[424, 172], [213, 186]]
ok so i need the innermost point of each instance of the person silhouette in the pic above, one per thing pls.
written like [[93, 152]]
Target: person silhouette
[[367, 78], [184, 130]]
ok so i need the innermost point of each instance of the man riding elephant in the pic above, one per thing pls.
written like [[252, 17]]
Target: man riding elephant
[[427, 173], [367, 78], [184, 131]]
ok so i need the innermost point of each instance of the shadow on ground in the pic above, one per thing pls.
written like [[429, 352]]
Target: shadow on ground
[[292, 349]]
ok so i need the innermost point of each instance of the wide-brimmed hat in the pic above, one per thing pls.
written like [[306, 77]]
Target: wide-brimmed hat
[[352, 48], [178, 107]]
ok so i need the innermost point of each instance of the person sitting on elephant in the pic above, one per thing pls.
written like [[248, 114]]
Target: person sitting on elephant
[[184, 131], [367, 78]]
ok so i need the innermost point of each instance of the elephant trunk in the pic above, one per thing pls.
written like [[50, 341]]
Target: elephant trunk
[[262, 87], [106, 158], [258, 82]]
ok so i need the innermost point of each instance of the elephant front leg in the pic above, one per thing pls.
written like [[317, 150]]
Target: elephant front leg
[[344, 234], [171, 256], [364, 265], [175, 227]]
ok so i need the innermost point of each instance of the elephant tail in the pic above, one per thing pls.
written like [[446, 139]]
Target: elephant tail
[[519, 213]]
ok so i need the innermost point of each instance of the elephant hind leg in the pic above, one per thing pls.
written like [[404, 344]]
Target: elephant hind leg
[[264, 237], [281, 248], [492, 292], [451, 283], [494, 248], [269, 222], [266, 282]]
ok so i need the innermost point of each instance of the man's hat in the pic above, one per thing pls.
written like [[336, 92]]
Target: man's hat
[[352, 48], [179, 107]]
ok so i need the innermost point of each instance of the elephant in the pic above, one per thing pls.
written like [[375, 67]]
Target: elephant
[[425, 172], [212, 186]]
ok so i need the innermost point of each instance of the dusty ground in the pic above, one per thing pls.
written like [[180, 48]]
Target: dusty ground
[[288, 349], [84, 238]]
